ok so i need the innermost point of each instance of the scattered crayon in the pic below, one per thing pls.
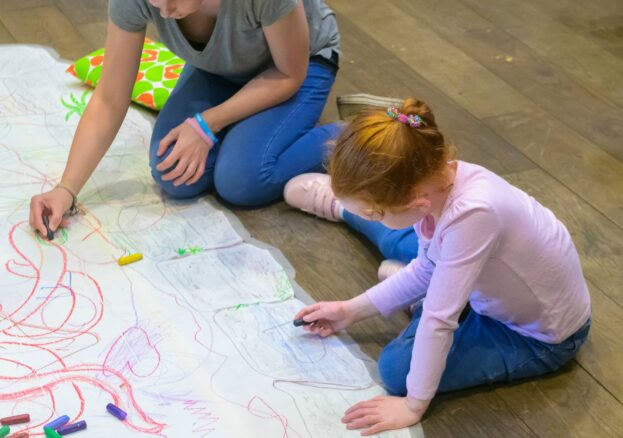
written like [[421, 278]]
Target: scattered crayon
[[73, 427], [19, 435], [15, 419], [55, 424], [4, 431], [51, 433], [129, 259], [116, 411]]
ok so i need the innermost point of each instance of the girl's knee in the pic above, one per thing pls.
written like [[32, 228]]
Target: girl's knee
[[394, 364]]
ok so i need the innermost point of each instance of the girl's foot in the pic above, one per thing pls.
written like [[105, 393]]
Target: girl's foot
[[388, 268], [311, 192]]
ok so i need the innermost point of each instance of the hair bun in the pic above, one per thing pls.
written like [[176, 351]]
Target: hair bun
[[418, 108]]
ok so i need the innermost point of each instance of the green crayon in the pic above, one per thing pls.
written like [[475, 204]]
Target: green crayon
[[4, 431], [51, 433]]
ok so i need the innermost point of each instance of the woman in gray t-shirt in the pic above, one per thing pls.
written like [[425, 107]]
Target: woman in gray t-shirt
[[242, 116]]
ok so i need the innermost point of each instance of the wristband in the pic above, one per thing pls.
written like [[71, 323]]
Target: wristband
[[195, 125], [205, 128]]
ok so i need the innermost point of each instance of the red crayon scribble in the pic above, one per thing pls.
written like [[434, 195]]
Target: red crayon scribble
[[26, 333], [258, 407]]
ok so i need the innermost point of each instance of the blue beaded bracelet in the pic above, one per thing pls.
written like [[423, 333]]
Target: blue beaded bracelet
[[205, 128]]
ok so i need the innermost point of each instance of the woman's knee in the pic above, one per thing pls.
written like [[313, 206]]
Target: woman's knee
[[181, 191], [247, 192], [245, 187], [178, 191]]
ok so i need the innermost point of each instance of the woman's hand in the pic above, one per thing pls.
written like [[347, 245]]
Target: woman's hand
[[188, 158], [53, 204], [328, 317], [384, 413]]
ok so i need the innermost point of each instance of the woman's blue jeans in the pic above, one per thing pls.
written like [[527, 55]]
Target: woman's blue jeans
[[256, 156]]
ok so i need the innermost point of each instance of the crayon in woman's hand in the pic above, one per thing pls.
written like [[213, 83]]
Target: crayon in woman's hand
[[299, 322], [46, 222]]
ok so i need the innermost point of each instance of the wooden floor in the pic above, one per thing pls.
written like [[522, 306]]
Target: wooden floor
[[532, 90]]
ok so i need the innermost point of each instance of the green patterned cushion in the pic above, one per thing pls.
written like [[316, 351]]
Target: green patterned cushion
[[157, 75]]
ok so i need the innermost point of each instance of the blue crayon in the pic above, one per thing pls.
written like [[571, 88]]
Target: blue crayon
[[55, 424], [73, 427], [116, 411]]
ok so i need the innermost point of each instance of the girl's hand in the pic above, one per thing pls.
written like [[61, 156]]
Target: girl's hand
[[54, 204], [328, 317], [189, 155], [384, 413]]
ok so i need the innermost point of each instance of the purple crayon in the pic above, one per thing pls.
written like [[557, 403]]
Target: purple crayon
[[116, 411], [60, 421], [73, 427]]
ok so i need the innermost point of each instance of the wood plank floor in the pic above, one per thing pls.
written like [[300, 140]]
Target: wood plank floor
[[531, 90]]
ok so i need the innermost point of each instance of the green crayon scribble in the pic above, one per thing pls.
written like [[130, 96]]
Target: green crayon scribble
[[74, 105], [242, 305], [284, 287], [190, 250], [60, 237]]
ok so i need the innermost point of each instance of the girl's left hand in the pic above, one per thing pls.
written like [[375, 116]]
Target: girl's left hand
[[190, 153], [384, 413]]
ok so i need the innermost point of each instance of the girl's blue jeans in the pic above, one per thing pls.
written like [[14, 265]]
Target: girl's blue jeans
[[256, 156], [483, 351]]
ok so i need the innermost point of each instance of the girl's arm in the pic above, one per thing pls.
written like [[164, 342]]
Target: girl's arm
[[467, 244], [97, 127], [288, 41]]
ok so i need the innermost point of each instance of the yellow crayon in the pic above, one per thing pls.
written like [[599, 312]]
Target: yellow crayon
[[130, 259]]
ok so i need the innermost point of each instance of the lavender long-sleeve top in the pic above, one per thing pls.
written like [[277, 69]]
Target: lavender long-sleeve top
[[497, 248]]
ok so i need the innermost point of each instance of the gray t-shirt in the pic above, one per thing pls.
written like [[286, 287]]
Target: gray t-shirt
[[237, 49]]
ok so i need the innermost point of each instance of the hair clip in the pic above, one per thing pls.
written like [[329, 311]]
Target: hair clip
[[412, 120]]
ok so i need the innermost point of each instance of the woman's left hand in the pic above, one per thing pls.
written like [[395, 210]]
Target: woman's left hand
[[384, 413], [189, 155]]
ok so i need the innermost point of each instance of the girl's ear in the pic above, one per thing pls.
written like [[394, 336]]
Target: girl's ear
[[421, 203]]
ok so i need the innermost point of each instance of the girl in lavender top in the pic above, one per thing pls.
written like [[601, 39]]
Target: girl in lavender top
[[499, 280]]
